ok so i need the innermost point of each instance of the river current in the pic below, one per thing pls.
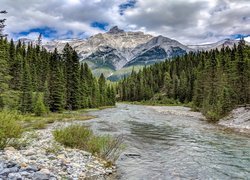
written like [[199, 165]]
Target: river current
[[160, 146]]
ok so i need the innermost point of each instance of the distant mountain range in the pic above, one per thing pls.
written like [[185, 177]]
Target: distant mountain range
[[116, 52]]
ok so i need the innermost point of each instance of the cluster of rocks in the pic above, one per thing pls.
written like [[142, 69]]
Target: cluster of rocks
[[43, 158], [13, 171]]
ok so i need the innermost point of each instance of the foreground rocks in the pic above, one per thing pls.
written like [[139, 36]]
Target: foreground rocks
[[43, 158], [12, 170]]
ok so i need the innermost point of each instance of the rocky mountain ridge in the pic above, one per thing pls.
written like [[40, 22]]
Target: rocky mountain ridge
[[117, 50]]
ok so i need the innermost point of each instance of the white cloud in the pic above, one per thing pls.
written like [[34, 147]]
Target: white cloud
[[189, 21], [247, 39]]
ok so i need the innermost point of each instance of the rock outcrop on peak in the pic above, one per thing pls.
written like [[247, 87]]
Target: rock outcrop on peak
[[115, 30]]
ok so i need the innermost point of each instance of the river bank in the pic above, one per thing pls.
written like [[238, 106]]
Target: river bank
[[238, 119], [177, 110], [43, 158]]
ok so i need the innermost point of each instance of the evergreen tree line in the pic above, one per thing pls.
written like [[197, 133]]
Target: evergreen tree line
[[214, 82], [35, 80]]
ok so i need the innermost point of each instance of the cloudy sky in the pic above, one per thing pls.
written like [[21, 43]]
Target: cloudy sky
[[188, 21]]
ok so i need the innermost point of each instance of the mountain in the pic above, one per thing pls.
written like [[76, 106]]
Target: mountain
[[116, 52], [157, 49], [225, 42], [107, 50]]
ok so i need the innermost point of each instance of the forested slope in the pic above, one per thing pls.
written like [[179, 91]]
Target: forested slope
[[33, 79], [214, 82]]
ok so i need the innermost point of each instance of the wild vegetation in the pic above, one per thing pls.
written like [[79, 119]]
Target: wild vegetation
[[81, 137], [9, 127], [35, 82], [213, 82]]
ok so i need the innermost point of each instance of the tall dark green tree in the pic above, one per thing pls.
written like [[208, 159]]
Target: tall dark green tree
[[26, 103], [72, 70], [56, 84], [102, 89], [4, 75]]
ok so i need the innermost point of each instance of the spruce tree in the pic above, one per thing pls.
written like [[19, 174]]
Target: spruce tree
[[102, 90], [83, 88], [26, 103], [56, 84], [72, 78], [4, 75]]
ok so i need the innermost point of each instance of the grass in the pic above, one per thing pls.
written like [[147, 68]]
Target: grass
[[94, 109], [31, 121], [153, 103], [10, 128], [105, 107], [13, 124], [82, 137]]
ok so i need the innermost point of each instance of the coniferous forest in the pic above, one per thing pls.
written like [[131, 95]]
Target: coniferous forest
[[34, 80], [212, 82]]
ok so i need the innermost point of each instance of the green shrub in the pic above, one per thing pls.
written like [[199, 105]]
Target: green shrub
[[40, 109], [9, 127], [11, 99], [74, 136], [81, 137]]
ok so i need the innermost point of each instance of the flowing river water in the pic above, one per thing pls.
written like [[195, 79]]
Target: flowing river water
[[160, 146]]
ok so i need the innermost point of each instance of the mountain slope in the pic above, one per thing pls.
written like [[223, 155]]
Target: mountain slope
[[157, 49], [117, 49], [225, 42], [111, 49], [114, 52]]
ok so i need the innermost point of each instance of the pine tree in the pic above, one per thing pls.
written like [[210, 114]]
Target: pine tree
[[14, 67], [102, 90], [4, 75], [46, 94], [56, 85], [95, 99], [72, 78], [26, 105], [75, 95], [241, 73]]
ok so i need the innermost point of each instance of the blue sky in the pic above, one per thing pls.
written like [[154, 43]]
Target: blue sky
[[188, 21], [100, 25], [124, 6], [47, 32]]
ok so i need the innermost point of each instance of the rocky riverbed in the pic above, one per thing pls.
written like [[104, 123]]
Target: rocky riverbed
[[238, 119], [41, 157], [177, 110]]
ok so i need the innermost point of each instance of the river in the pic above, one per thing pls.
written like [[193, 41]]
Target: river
[[173, 146]]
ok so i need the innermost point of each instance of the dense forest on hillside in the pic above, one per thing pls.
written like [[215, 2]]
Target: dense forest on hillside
[[213, 82], [34, 80]]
